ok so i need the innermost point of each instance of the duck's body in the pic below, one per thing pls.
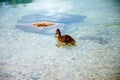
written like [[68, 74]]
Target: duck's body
[[67, 39]]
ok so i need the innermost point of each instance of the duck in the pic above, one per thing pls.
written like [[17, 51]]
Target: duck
[[65, 39]]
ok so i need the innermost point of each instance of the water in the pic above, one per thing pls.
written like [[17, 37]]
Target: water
[[29, 54]]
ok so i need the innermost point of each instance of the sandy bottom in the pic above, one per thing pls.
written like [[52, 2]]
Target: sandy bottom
[[27, 55]]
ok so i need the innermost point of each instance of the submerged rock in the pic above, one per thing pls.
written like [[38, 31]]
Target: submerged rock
[[43, 24]]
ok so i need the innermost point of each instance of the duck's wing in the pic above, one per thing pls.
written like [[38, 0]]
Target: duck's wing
[[66, 38], [69, 38], [62, 38]]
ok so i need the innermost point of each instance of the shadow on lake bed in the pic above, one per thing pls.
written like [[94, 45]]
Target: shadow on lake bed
[[98, 40], [56, 18], [60, 20]]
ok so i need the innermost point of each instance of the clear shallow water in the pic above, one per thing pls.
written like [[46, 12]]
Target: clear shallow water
[[34, 56]]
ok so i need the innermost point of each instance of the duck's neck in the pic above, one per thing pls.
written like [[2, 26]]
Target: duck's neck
[[59, 33]]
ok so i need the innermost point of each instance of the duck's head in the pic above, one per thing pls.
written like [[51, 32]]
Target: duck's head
[[58, 33]]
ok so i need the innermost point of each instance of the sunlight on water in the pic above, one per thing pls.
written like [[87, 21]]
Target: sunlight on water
[[27, 53]]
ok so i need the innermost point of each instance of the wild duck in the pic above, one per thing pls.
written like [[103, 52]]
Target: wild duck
[[66, 39]]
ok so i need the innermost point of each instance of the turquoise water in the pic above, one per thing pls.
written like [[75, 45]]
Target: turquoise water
[[30, 54]]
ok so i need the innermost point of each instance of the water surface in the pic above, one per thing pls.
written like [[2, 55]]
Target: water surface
[[26, 53]]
